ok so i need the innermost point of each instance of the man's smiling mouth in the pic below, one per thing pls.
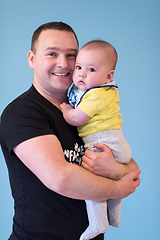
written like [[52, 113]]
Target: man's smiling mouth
[[61, 74]]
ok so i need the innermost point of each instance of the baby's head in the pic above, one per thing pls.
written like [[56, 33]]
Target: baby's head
[[109, 53], [95, 65]]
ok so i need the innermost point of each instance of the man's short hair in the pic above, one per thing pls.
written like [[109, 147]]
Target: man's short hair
[[50, 25]]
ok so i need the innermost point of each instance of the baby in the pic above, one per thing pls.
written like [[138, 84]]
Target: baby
[[95, 111]]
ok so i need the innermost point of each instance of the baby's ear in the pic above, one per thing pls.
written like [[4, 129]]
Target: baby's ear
[[110, 76]]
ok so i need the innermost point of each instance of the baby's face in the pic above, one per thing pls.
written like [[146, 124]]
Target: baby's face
[[91, 69]]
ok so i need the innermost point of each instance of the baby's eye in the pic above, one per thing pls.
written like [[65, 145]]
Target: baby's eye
[[91, 70], [78, 67]]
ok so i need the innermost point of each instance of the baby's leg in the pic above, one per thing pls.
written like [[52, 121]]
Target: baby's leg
[[115, 140], [114, 212], [122, 153], [98, 221]]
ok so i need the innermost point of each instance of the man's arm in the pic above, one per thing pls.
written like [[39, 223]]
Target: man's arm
[[74, 117], [44, 156], [103, 163]]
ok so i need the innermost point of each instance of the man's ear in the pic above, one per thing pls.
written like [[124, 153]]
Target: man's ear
[[110, 76], [31, 56]]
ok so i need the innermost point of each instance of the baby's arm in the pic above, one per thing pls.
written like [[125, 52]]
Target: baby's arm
[[74, 117]]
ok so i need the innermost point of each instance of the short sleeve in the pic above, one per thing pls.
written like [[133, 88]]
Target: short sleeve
[[21, 120]]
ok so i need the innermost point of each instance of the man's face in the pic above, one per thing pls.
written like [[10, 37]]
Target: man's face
[[54, 60]]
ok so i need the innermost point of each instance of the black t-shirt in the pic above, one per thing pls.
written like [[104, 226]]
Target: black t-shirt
[[40, 214]]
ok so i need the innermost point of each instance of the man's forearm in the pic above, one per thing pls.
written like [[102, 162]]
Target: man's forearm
[[123, 169], [131, 166], [70, 180], [85, 185]]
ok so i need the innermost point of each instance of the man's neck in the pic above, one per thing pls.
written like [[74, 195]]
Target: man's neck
[[56, 97]]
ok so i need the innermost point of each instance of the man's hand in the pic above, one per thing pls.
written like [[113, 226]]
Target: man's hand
[[128, 183], [103, 163]]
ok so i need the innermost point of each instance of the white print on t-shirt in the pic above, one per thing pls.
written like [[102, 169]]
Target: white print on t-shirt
[[75, 156]]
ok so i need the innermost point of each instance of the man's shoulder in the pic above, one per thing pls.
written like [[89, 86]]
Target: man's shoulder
[[20, 102]]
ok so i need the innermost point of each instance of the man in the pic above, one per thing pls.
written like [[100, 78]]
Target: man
[[36, 142]]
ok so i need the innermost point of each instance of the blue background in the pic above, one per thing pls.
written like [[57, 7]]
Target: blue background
[[132, 27]]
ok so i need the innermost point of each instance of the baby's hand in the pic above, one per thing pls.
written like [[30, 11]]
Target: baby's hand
[[65, 107], [62, 106], [73, 116]]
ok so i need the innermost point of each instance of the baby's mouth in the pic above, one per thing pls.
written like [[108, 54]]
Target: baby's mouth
[[81, 82]]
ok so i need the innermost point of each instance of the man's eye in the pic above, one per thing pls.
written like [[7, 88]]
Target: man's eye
[[71, 55], [52, 54], [91, 70]]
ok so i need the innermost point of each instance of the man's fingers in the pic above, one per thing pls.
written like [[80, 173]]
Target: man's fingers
[[101, 147], [135, 174], [86, 162], [137, 182], [88, 154], [84, 165]]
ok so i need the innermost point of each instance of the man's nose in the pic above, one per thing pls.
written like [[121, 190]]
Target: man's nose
[[62, 61]]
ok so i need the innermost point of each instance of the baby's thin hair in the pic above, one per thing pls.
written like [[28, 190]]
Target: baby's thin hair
[[110, 50]]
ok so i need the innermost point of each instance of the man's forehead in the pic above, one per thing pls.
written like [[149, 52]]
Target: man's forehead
[[61, 49], [58, 39]]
